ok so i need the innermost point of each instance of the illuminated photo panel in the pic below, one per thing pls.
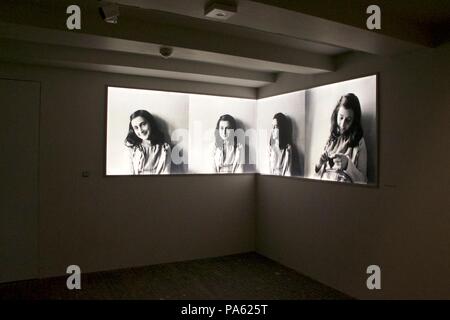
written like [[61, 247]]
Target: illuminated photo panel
[[147, 132], [281, 134], [325, 133], [222, 134], [341, 131]]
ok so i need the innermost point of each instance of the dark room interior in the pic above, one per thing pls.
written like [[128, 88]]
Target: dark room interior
[[262, 233]]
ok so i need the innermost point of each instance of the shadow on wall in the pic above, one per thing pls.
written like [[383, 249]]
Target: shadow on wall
[[370, 136], [175, 168], [297, 157]]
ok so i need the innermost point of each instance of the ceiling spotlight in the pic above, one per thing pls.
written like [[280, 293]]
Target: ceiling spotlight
[[110, 12], [221, 11]]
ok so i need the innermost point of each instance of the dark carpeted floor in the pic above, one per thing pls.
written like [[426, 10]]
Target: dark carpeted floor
[[236, 277]]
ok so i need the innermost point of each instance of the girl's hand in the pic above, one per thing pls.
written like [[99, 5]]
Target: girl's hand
[[322, 160], [340, 161]]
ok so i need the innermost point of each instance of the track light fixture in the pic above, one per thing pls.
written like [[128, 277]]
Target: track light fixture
[[109, 12]]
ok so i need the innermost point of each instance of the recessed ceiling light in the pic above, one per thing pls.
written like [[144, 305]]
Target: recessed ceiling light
[[220, 11]]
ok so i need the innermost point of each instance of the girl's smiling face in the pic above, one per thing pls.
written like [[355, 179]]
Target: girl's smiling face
[[141, 127], [344, 119]]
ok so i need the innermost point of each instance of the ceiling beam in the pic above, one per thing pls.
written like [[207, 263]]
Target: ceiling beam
[[336, 23], [128, 63], [144, 33]]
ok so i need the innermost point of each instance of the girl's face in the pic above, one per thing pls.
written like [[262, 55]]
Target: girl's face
[[141, 127], [344, 119], [225, 130], [275, 130]]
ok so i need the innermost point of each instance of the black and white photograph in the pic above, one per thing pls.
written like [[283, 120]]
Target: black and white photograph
[[222, 134], [341, 131], [147, 132], [281, 134]]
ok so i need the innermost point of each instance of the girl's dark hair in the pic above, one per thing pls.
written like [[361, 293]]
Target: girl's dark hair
[[283, 129], [355, 132], [232, 121], [156, 136]]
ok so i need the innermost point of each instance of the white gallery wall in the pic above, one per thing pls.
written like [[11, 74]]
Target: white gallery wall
[[332, 232], [105, 223]]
